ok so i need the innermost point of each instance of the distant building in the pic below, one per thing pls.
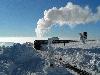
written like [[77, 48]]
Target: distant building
[[54, 38]]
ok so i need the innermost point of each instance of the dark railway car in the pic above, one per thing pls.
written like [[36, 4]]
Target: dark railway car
[[38, 43]]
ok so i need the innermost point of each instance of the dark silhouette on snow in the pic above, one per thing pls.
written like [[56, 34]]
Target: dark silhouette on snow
[[83, 37]]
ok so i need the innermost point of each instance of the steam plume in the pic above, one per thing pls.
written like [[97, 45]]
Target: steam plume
[[70, 15]]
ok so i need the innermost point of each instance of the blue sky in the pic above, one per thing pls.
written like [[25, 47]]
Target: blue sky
[[19, 18]]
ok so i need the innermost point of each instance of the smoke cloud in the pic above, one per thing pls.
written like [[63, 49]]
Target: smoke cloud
[[70, 15]]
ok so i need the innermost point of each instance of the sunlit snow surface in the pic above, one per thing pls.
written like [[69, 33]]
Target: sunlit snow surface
[[84, 56], [25, 60]]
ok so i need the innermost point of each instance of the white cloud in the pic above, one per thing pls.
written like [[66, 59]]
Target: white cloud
[[70, 15]]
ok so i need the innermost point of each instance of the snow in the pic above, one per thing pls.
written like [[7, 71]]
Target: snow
[[21, 59], [84, 56]]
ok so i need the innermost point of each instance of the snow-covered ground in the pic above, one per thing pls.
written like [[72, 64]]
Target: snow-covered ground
[[84, 56], [21, 59]]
